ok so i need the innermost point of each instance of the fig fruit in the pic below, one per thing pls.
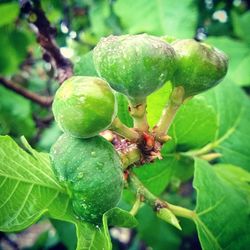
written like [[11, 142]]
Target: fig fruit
[[135, 65], [84, 106], [199, 66], [91, 171]]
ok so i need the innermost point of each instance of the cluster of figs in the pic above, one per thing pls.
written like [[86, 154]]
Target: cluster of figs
[[135, 65]]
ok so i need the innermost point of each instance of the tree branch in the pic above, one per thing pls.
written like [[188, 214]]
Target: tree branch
[[45, 37], [156, 203], [44, 101]]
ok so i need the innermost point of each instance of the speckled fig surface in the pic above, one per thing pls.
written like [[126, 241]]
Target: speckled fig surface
[[84, 106], [199, 66], [91, 171], [135, 65]]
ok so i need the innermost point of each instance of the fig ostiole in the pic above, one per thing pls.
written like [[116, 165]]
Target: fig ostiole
[[91, 171]]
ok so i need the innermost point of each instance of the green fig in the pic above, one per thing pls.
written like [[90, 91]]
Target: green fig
[[91, 171], [135, 65], [199, 66], [84, 106]]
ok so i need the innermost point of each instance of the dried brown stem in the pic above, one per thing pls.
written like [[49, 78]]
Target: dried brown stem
[[45, 37], [44, 101]]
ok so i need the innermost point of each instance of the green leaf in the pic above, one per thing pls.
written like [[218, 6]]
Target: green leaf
[[121, 218], [163, 17], [4, 126], [8, 12], [48, 137], [157, 175], [240, 74], [66, 232], [183, 167], [92, 237], [99, 14], [239, 54], [29, 189], [14, 44], [25, 181], [157, 99], [16, 113], [155, 232], [195, 124], [224, 98], [238, 177], [85, 67], [232, 108], [241, 25], [222, 206]]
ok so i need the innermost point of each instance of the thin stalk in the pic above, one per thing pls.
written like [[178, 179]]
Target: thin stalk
[[166, 119], [175, 101], [136, 205], [121, 129], [131, 156], [157, 203], [137, 110], [182, 212], [196, 153], [210, 156], [140, 189]]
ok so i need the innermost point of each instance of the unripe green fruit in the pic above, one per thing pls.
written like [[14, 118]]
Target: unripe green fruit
[[199, 66], [135, 65], [91, 171], [84, 106]]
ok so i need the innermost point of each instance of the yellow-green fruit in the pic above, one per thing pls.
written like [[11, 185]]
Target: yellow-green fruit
[[135, 65], [199, 66], [91, 171], [84, 106]]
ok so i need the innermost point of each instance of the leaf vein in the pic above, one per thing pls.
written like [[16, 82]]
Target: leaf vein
[[209, 234], [10, 195], [23, 204], [4, 180], [209, 209]]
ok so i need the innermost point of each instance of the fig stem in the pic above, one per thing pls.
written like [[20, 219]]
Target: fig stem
[[130, 156], [121, 129], [174, 103], [155, 202], [137, 110], [136, 205], [210, 156]]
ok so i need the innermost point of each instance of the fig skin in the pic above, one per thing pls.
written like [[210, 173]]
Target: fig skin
[[91, 171], [199, 66], [84, 106], [134, 65]]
